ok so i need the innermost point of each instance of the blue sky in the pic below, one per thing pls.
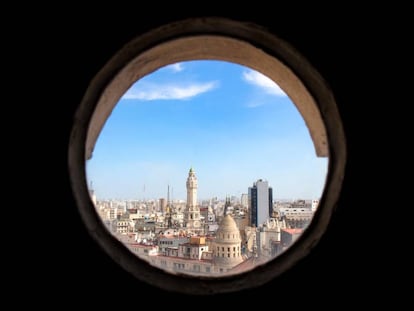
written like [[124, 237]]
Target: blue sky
[[231, 124]]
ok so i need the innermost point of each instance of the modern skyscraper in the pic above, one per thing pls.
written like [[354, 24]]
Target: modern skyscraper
[[260, 198], [193, 211]]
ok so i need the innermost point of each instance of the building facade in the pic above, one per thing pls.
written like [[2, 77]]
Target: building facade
[[260, 198]]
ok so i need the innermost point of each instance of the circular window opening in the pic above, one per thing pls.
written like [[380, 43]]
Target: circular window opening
[[209, 39], [254, 182]]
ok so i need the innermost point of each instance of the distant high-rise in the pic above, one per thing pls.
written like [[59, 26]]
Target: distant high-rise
[[260, 198], [163, 205], [193, 211], [244, 200]]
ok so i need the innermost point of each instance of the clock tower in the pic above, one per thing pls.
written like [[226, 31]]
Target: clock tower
[[193, 211]]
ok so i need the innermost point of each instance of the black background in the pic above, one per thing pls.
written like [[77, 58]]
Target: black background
[[63, 266]]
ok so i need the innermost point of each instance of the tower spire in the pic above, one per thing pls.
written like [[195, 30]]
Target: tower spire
[[226, 205], [192, 209]]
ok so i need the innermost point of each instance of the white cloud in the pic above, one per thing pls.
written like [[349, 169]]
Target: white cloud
[[168, 91], [260, 80], [177, 67], [254, 104]]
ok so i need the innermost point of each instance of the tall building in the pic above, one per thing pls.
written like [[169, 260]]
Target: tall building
[[163, 205], [192, 209], [244, 200], [260, 198]]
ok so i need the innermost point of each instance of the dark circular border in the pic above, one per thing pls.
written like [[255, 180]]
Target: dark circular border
[[271, 45]]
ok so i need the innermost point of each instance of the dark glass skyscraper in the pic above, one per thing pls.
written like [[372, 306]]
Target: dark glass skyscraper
[[260, 198]]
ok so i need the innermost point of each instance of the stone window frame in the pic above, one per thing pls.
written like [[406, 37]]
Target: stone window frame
[[217, 39]]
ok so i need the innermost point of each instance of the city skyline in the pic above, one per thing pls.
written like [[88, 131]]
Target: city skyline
[[229, 123]]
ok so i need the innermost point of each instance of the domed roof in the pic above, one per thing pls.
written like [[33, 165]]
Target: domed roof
[[227, 244], [227, 225]]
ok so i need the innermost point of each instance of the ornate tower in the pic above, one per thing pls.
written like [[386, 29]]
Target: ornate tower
[[193, 211]]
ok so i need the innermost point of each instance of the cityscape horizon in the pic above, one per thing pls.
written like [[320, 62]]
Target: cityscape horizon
[[170, 193], [208, 238], [243, 144]]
